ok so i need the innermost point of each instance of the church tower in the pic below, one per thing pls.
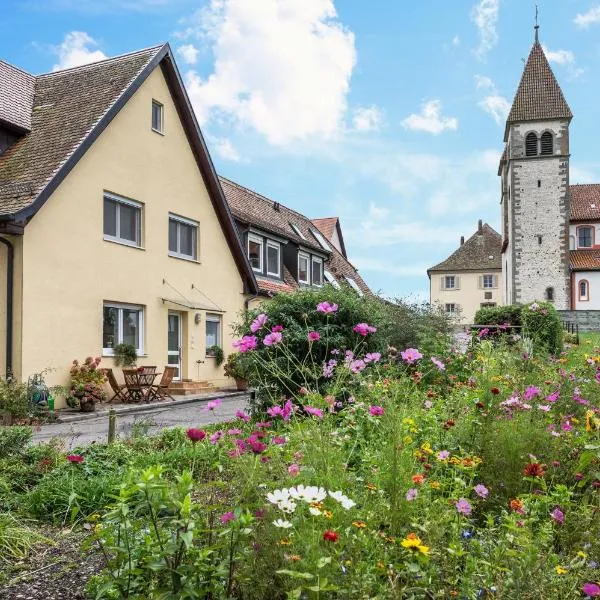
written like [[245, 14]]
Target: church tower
[[534, 169]]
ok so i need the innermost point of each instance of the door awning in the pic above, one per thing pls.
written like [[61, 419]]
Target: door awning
[[180, 303]]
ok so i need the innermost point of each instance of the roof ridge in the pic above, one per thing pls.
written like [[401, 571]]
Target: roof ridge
[[108, 58], [17, 68]]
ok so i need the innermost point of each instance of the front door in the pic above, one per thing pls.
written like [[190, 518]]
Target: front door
[[174, 344]]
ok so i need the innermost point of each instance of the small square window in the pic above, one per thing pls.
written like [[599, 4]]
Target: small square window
[[213, 333], [183, 238], [122, 220], [488, 281], [273, 259], [584, 235], [449, 282], [157, 116], [122, 324], [450, 308], [303, 266]]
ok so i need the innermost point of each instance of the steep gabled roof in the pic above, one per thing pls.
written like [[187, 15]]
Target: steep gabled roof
[[16, 97], [585, 202], [329, 226], [481, 252], [71, 108], [251, 208], [538, 96]]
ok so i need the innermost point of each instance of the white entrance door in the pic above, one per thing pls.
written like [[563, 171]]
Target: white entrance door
[[174, 343]]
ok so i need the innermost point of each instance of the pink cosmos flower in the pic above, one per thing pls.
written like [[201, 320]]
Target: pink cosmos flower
[[411, 494], [481, 491], [566, 426], [212, 404], [272, 338], [438, 363], [314, 336], [235, 431], [240, 414], [463, 507], [228, 516], [356, 366], [553, 397], [591, 589], [544, 407], [372, 357], [293, 470], [256, 445], [279, 440], [326, 308], [277, 328], [558, 515], [364, 329], [410, 355], [376, 411], [258, 323], [531, 392], [443, 455], [215, 437], [314, 411], [247, 343]]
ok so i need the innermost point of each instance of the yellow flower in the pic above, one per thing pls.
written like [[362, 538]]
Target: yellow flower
[[435, 485], [359, 524], [407, 439], [591, 422], [582, 554], [413, 543], [560, 570], [327, 514], [285, 542], [408, 421], [371, 486], [426, 447]]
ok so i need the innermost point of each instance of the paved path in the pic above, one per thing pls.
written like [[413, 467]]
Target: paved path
[[151, 421]]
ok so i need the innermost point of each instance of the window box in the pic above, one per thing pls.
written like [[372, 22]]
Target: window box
[[183, 238]]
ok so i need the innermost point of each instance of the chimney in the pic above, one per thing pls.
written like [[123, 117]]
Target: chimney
[[462, 240], [480, 226], [276, 206]]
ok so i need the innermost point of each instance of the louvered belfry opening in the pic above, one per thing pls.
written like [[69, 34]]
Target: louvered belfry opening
[[531, 144], [547, 143]]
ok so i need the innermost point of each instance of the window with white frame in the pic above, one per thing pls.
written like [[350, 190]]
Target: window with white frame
[[317, 271], [213, 333], [450, 282], [584, 290], [157, 116], [354, 286], [303, 268], [451, 308], [331, 279], [273, 258], [122, 220], [319, 237], [183, 237], [488, 282], [255, 252], [122, 324], [584, 237]]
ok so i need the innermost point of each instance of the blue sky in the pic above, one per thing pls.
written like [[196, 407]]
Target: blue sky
[[387, 113]]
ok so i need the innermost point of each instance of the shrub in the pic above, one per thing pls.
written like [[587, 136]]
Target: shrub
[[86, 384], [13, 440], [14, 398], [499, 315], [542, 324]]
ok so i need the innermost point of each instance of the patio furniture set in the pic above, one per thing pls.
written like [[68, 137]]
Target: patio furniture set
[[140, 384]]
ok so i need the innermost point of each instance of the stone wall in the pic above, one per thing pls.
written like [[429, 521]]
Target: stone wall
[[588, 320]]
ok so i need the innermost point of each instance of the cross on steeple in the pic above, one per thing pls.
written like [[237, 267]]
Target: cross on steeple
[[537, 27]]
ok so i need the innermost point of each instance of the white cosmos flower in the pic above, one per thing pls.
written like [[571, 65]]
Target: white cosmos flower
[[314, 511], [283, 524], [287, 506], [342, 499], [278, 496], [308, 494]]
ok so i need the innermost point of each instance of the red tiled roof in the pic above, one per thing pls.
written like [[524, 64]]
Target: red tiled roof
[[585, 202], [326, 226], [585, 260]]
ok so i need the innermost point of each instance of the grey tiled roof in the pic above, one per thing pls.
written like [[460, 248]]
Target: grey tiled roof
[[479, 253], [538, 96], [252, 208], [66, 107], [16, 96]]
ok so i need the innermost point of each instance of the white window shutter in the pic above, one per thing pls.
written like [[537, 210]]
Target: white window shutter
[[480, 281], [456, 282], [495, 281], [443, 282]]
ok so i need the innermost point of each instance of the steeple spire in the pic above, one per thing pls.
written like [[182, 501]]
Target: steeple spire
[[537, 27]]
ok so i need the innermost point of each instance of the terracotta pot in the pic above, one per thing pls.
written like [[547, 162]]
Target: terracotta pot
[[87, 407], [241, 384]]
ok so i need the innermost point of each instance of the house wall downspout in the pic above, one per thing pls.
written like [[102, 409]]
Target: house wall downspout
[[9, 304]]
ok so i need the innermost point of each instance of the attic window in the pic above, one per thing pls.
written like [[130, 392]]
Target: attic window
[[297, 231], [331, 279], [531, 144], [354, 286], [157, 116], [321, 240], [547, 143]]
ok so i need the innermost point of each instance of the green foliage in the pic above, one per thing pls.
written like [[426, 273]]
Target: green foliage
[[542, 324], [13, 440], [125, 355], [14, 398], [86, 384], [218, 354], [17, 539], [499, 315]]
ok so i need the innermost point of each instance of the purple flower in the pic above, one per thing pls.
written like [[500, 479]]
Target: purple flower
[[212, 404], [326, 308], [412, 494], [314, 411], [544, 407], [558, 515], [410, 355], [443, 455], [356, 366], [483, 332], [438, 363], [284, 411], [364, 329], [256, 445], [234, 431], [531, 392], [553, 397], [279, 440], [376, 411], [240, 414], [372, 357], [591, 589], [463, 507], [228, 516], [277, 328], [314, 336], [215, 437], [481, 491], [258, 323], [247, 343], [272, 338], [328, 368]]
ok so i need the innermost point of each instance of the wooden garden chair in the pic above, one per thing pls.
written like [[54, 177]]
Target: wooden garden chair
[[147, 370], [119, 389], [160, 391], [135, 393]]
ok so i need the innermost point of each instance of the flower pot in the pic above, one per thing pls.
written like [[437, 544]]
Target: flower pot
[[241, 384], [87, 407]]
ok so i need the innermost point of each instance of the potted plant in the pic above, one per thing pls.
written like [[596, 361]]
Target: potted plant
[[125, 355], [217, 353], [86, 384], [236, 368]]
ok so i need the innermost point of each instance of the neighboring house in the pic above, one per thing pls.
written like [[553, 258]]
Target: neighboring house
[[286, 249], [470, 277], [113, 225]]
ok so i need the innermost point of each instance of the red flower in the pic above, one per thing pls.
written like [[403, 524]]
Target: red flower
[[196, 435], [330, 536], [480, 405], [75, 458], [534, 470], [495, 391], [449, 423]]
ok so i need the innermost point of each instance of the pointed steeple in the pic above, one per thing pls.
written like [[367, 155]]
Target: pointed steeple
[[538, 96]]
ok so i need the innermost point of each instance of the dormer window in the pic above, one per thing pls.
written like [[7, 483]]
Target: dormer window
[[273, 258], [584, 237], [331, 279], [303, 268], [255, 252], [547, 143], [157, 116], [354, 286], [531, 144], [321, 240], [317, 271]]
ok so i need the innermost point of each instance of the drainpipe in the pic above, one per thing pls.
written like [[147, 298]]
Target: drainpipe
[[9, 305]]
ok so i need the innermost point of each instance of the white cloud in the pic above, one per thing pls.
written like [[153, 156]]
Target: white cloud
[[483, 83], [377, 212], [496, 106], [224, 148], [189, 53], [564, 58], [282, 67], [456, 41], [591, 17], [75, 50], [367, 118], [430, 119], [485, 17]]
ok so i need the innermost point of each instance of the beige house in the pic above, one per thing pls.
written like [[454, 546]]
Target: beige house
[[470, 278], [113, 225]]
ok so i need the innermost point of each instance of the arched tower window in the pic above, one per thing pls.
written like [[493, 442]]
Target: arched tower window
[[547, 143], [550, 294], [531, 144], [584, 290]]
